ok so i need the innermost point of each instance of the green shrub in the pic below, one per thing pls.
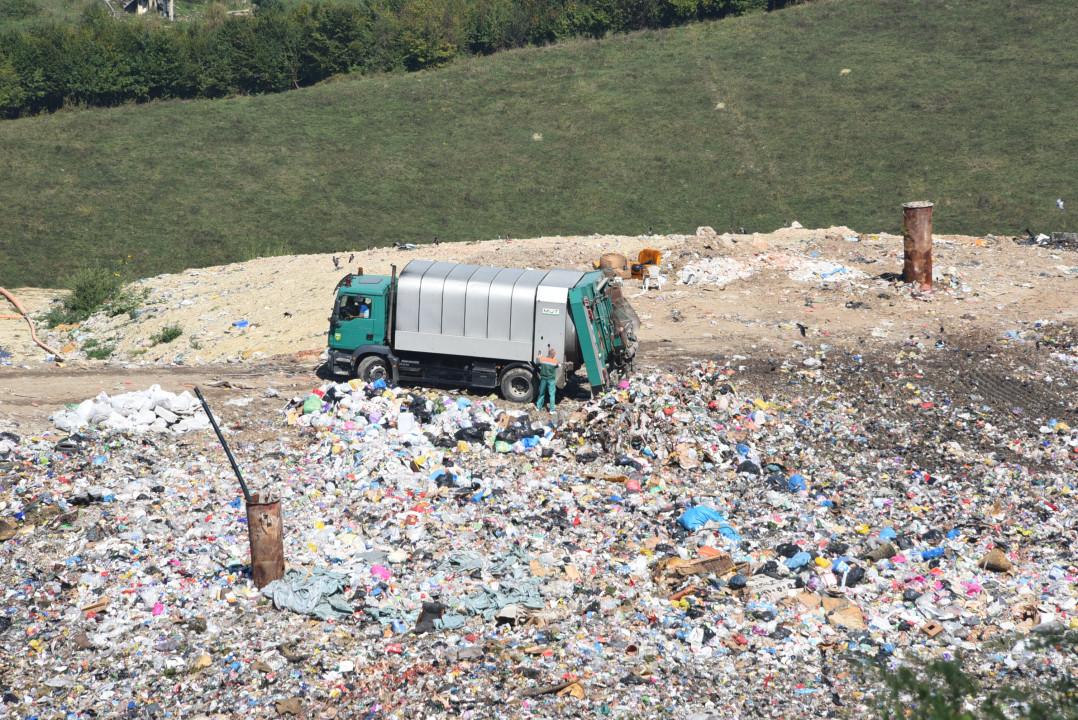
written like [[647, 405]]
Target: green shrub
[[126, 302], [167, 334], [96, 350], [91, 290], [18, 9]]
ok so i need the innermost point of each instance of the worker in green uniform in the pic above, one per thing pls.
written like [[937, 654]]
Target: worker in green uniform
[[548, 377]]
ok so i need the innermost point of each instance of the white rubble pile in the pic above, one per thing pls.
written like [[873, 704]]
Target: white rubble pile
[[716, 271], [152, 410]]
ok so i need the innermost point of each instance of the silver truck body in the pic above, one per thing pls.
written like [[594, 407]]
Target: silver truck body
[[485, 312]]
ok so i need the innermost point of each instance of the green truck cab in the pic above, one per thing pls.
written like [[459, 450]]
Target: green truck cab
[[359, 325], [475, 326]]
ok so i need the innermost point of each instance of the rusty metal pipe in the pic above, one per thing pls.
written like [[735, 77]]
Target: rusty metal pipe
[[917, 243], [221, 439], [265, 529]]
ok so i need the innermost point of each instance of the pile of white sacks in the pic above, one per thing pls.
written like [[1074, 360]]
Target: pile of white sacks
[[153, 410]]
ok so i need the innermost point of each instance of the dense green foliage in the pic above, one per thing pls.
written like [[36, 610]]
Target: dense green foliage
[[742, 122], [18, 10], [950, 690], [103, 61]]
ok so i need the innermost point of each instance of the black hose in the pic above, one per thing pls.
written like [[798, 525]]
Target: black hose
[[228, 451]]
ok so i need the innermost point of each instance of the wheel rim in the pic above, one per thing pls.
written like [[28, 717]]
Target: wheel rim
[[520, 386], [377, 372]]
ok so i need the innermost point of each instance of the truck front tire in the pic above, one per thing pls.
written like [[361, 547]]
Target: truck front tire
[[518, 385], [371, 368]]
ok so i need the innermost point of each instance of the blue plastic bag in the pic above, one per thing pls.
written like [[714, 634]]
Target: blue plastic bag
[[801, 559], [696, 517], [796, 483]]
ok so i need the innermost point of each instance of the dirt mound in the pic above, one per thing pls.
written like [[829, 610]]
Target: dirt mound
[[791, 284]]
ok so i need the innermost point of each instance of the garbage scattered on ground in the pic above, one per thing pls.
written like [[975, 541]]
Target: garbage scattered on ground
[[1057, 240], [817, 270], [721, 271], [709, 543], [153, 410]]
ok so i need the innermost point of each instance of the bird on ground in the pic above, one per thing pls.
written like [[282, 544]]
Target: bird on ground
[[802, 328], [336, 263], [1059, 204]]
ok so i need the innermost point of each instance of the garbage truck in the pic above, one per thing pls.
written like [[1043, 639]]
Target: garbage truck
[[457, 325]]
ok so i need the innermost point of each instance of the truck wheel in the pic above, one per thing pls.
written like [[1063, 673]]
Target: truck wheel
[[518, 385], [371, 368]]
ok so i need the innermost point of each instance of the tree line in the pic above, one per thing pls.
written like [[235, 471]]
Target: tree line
[[105, 61]]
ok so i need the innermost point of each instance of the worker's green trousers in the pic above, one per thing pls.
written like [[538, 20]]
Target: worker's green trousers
[[549, 387]]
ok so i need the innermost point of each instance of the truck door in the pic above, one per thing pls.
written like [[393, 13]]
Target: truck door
[[355, 322]]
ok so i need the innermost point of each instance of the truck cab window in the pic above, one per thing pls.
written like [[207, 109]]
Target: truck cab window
[[349, 308]]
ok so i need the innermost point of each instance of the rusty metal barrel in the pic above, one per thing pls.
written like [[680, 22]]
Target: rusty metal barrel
[[917, 243], [266, 533]]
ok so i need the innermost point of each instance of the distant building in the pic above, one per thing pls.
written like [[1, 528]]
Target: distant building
[[141, 7]]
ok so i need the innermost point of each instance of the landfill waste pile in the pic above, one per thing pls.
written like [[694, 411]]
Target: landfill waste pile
[[152, 410], [714, 543]]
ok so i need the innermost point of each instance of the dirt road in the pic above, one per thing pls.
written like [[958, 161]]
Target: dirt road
[[28, 397]]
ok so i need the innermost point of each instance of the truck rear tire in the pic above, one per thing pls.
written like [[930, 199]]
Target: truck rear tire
[[371, 368], [518, 385]]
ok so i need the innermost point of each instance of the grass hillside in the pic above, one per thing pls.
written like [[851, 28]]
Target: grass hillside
[[744, 122], [16, 13]]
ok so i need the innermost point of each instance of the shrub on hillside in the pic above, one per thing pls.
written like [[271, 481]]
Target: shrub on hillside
[[167, 334], [18, 9], [105, 61], [91, 290]]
